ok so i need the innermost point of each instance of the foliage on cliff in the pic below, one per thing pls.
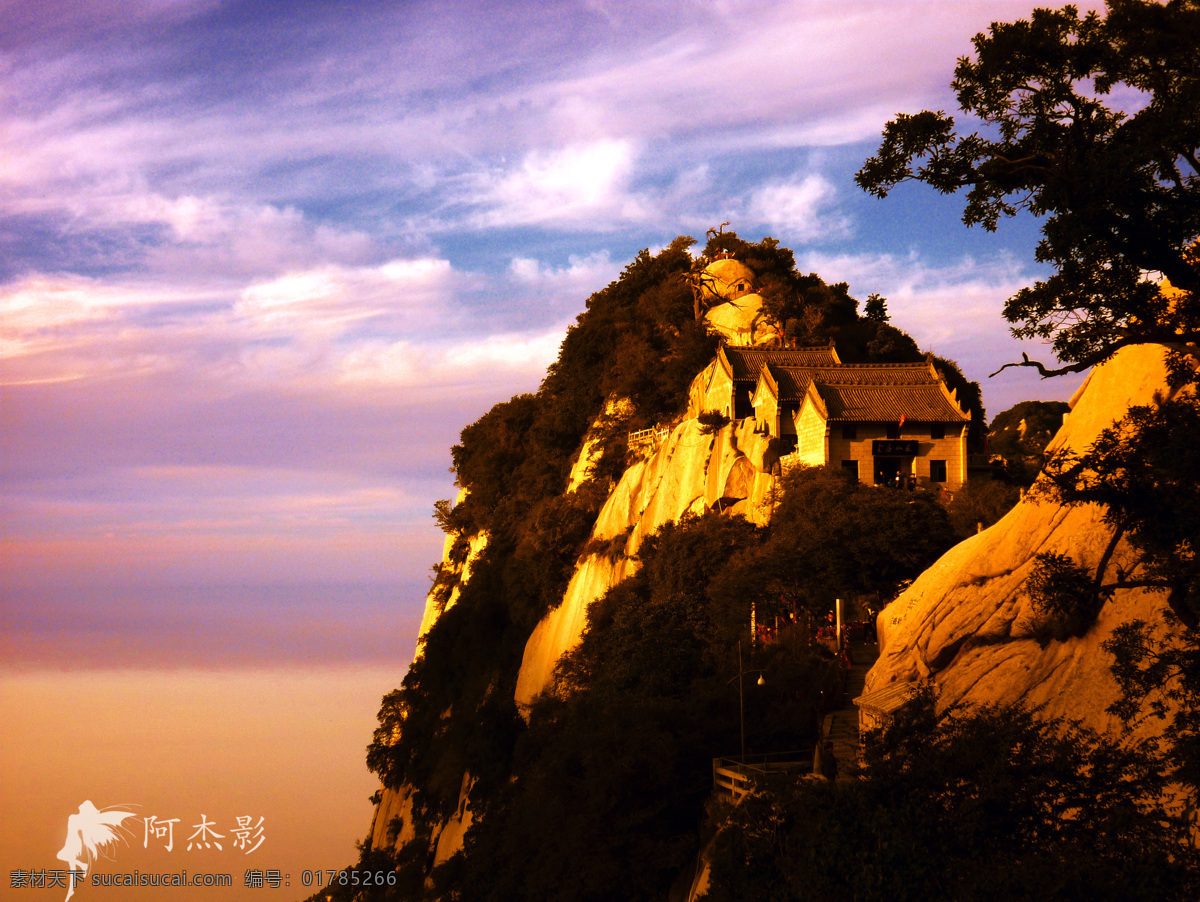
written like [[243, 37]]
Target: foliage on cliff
[[610, 779], [830, 537], [1091, 124], [637, 339], [987, 803], [606, 785], [1020, 435], [656, 659], [454, 709], [1145, 472], [607, 782], [812, 312]]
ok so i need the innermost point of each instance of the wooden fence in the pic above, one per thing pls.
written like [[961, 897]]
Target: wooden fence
[[735, 778], [650, 437]]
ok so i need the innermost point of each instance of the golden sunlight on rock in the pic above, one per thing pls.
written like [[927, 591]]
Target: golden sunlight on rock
[[967, 622], [733, 305]]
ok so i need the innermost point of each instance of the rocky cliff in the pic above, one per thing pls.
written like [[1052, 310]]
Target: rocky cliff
[[967, 623], [681, 467], [687, 470]]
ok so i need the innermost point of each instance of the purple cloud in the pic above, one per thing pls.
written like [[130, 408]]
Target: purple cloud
[[262, 263]]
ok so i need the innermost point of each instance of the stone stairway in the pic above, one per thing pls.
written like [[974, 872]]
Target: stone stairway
[[841, 724]]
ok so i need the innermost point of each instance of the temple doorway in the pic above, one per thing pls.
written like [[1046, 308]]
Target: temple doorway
[[888, 470]]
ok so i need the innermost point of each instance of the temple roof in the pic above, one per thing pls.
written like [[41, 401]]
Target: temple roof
[[888, 403], [793, 380], [867, 392], [744, 364]]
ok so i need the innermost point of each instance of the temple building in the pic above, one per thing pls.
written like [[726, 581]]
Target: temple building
[[887, 423]]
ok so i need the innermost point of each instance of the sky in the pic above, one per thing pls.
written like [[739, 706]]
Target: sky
[[284, 744], [261, 262]]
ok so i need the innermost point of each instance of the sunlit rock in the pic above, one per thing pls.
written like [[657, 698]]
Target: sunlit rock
[[732, 305], [968, 624], [455, 575], [690, 471]]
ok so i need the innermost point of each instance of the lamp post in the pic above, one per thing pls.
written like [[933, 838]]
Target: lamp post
[[742, 696], [839, 625]]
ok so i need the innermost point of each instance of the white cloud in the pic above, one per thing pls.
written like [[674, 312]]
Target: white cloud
[[618, 96], [756, 74], [57, 328], [486, 360], [954, 310], [219, 236], [191, 218], [590, 272], [43, 313], [325, 301], [579, 185], [312, 330], [526, 270], [524, 353], [939, 305], [799, 209]]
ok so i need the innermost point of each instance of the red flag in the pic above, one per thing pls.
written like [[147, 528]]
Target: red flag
[[903, 417]]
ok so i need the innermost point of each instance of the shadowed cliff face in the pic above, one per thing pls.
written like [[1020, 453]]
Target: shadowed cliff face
[[968, 624], [686, 470]]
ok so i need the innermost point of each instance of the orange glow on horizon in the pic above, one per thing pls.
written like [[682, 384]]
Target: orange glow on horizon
[[287, 745]]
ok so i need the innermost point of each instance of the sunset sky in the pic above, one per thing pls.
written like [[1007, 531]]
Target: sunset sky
[[261, 262]]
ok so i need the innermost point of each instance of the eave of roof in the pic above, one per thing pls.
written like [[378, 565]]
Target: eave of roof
[[868, 403], [744, 364]]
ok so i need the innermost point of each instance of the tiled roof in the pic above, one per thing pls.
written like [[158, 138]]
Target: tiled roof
[[853, 392], [887, 403], [793, 380], [880, 374], [746, 363]]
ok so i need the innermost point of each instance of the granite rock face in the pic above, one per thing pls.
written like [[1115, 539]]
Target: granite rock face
[[682, 469], [967, 622], [687, 471], [733, 306]]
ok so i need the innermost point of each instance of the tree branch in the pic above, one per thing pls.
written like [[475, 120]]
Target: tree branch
[[1107, 556], [1170, 340], [1039, 162], [1177, 601], [1044, 370], [1140, 584]]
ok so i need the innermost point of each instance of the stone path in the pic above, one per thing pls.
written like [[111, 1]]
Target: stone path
[[841, 725]]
